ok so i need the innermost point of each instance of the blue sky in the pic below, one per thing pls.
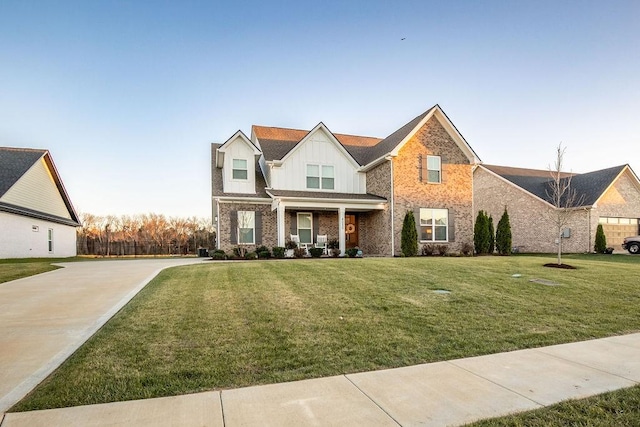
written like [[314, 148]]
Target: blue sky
[[128, 95]]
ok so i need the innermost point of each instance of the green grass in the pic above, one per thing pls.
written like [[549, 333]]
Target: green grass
[[12, 269], [226, 325], [617, 408]]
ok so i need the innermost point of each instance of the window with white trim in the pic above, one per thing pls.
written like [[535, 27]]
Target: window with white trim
[[434, 224], [50, 240], [246, 227], [434, 169], [320, 177], [305, 228], [240, 170]]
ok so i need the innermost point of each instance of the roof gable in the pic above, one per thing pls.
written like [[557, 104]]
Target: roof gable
[[276, 142], [239, 135], [589, 187], [30, 185], [392, 144]]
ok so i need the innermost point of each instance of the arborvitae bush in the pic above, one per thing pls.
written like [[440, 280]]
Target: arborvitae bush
[[481, 233], [492, 236], [409, 241], [503, 234], [601, 240]]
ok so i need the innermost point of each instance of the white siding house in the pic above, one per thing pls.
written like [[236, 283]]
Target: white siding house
[[37, 218]]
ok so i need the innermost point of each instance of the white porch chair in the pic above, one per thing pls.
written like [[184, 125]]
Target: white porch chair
[[295, 239], [321, 242]]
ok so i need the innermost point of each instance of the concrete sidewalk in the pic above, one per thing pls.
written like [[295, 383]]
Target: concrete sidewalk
[[45, 318], [436, 394]]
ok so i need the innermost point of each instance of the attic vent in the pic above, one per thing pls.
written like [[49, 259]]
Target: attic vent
[[35, 228]]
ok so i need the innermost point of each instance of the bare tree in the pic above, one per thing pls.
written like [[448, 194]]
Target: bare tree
[[563, 197]]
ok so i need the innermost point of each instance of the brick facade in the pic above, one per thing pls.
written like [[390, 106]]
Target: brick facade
[[375, 230], [453, 193], [531, 219], [268, 219]]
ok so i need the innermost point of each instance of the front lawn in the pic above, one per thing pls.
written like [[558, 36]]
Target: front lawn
[[227, 325], [616, 408], [12, 269]]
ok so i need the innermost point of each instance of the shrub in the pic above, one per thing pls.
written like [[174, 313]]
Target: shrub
[[466, 249], [442, 249], [333, 244], [240, 251], [278, 252], [503, 234], [290, 244], [251, 255], [299, 252], [263, 252], [316, 252], [481, 240], [351, 252], [427, 250], [492, 236], [601, 240], [335, 252], [409, 240], [219, 254]]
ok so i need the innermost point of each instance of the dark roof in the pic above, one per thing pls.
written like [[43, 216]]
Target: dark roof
[[589, 187], [388, 144], [15, 162], [325, 195]]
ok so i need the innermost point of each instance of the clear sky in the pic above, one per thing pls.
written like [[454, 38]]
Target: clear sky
[[128, 95]]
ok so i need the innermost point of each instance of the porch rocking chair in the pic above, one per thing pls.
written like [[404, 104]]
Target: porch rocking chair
[[321, 242]]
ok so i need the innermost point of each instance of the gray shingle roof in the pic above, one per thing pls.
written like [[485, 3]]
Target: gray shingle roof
[[15, 162], [589, 186]]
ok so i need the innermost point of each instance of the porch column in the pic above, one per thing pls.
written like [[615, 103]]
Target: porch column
[[280, 224], [341, 212]]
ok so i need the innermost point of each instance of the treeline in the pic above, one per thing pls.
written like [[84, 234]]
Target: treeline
[[145, 234]]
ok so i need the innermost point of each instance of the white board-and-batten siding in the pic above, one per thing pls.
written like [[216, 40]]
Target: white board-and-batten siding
[[37, 190], [318, 150], [238, 149]]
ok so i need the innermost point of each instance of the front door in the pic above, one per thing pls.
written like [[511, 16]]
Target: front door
[[351, 230]]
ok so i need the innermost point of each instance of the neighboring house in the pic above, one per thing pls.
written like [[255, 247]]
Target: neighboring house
[[36, 215], [355, 189], [610, 197]]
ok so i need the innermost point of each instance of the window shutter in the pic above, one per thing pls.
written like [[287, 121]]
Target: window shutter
[[420, 167], [452, 225], [443, 160], [316, 227], [416, 216], [294, 223], [233, 238], [258, 227]]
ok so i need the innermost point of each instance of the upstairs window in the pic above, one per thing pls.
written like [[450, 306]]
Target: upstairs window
[[50, 240], [320, 177], [434, 225], [240, 169], [434, 169]]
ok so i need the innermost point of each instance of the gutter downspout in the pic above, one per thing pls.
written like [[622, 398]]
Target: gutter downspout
[[393, 231], [218, 224]]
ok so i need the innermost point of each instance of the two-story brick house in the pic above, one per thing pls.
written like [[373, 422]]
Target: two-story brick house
[[282, 182]]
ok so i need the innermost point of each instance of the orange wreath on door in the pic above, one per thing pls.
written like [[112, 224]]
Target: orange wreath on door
[[350, 228]]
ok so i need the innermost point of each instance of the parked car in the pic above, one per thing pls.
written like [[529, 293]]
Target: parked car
[[632, 244]]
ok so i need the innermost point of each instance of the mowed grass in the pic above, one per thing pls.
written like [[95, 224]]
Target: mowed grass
[[617, 408], [225, 325], [13, 269]]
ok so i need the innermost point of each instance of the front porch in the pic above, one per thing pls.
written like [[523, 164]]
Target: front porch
[[358, 221]]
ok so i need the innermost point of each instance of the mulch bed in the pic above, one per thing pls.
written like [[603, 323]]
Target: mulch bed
[[565, 266]]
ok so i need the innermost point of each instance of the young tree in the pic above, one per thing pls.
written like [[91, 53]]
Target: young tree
[[481, 240], [563, 197], [601, 240], [492, 236], [503, 234], [409, 241]]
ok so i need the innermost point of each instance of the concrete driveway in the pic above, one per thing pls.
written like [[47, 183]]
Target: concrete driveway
[[45, 318]]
